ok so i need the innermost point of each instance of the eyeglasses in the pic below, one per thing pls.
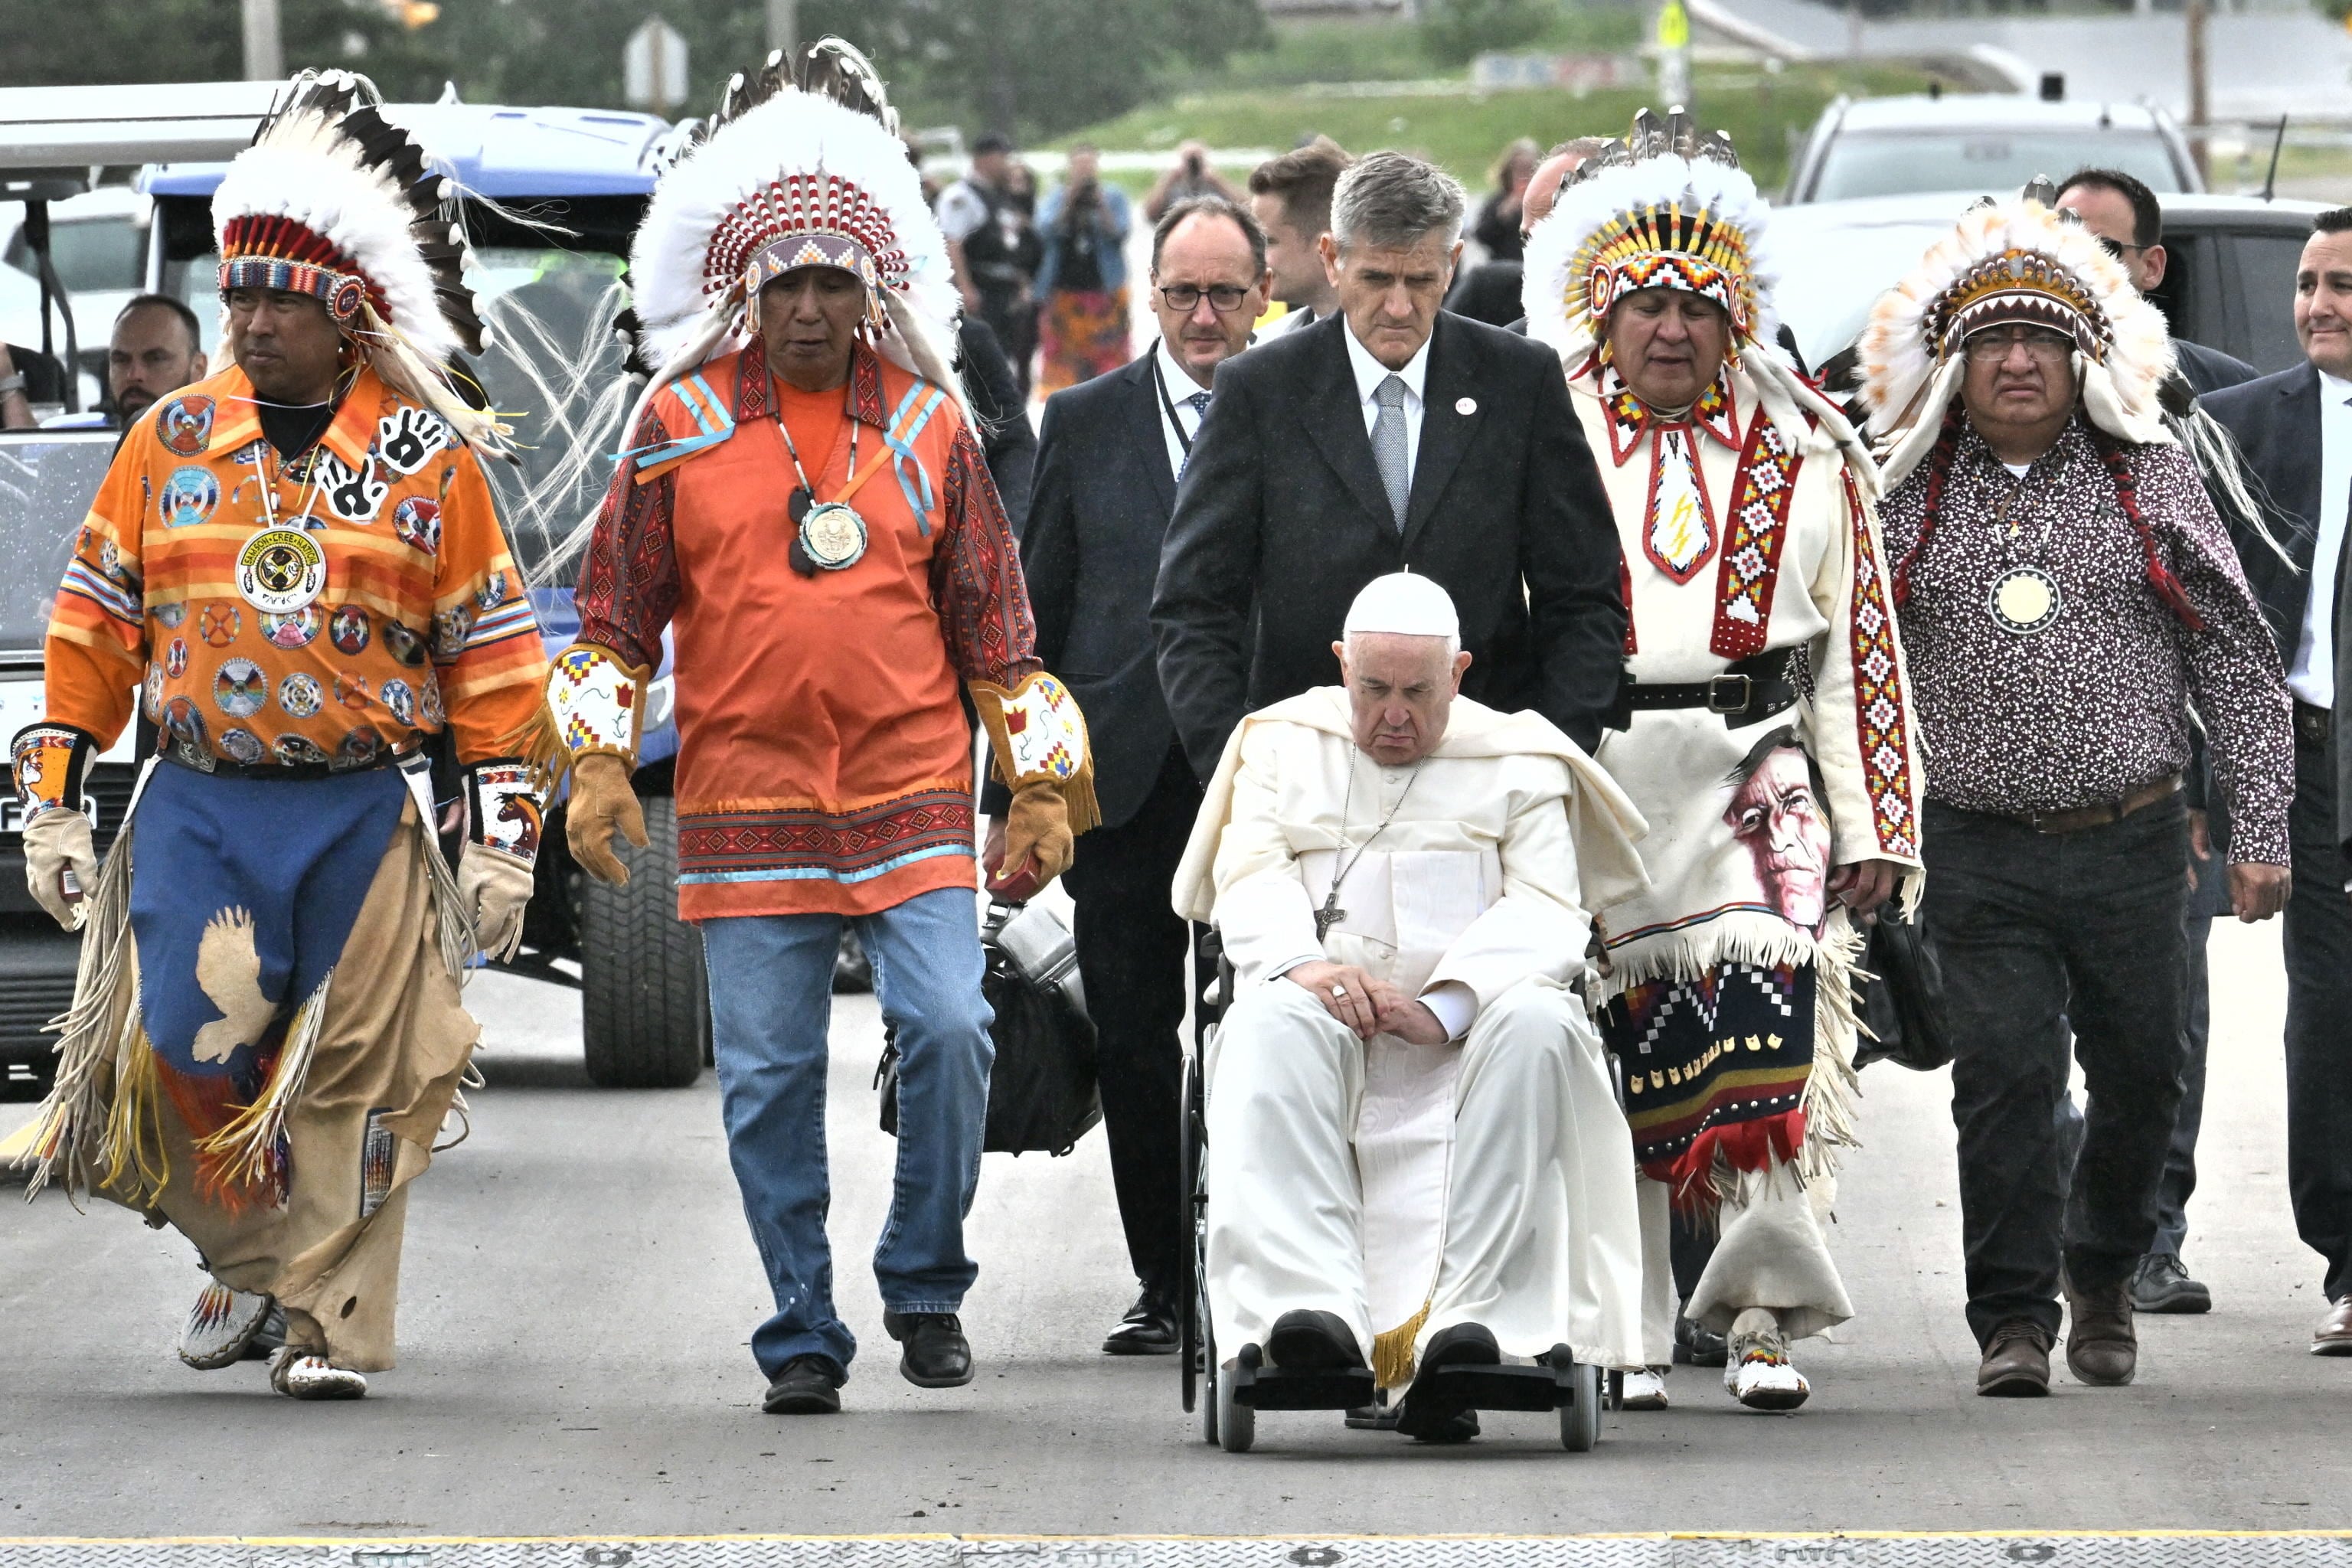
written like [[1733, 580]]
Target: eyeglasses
[[2044, 347], [2115, 247], [1224, 299]]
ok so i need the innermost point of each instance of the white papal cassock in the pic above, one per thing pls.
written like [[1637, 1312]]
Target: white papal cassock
[[1407, 1188]]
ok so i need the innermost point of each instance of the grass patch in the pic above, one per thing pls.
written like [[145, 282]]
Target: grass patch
[[1385, 50], [1763, 111]]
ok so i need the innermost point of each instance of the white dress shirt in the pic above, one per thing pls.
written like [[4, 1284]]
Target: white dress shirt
[[1370, 372], [2312, 676], [1180, 385]]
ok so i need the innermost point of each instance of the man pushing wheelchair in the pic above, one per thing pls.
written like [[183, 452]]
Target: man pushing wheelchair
[[1418, 1173]]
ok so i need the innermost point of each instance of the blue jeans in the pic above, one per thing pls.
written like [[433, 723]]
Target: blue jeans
[[770, 1006]]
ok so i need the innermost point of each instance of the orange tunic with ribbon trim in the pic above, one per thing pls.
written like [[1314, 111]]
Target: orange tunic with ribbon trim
[[824, 761]]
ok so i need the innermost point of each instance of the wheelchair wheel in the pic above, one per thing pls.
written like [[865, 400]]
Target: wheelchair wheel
[[1580, 1423], [1191, 1314], [1236, 1423], [1211, 1394]]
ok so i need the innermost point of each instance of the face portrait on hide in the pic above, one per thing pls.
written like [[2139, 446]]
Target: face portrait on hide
[[1777, 813]]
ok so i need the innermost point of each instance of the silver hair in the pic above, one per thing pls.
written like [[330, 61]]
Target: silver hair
[[1392, 200]]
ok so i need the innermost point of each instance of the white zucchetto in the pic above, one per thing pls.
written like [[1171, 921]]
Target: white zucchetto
[[1405, 604]]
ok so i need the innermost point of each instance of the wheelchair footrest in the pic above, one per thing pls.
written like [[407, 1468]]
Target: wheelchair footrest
[[1543, 1386], [1264, 1387]]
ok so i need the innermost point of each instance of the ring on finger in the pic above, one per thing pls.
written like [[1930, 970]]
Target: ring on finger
[[1340, 992]]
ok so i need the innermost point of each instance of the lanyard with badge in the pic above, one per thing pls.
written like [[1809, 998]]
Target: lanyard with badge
[[1168, 407]]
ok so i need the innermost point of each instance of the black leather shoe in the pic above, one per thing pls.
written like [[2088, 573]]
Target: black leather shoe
[[1303, 1341], [809, 1386], [1435, 1418], [2162, 1285], [1698, 1346], [933, 1352], [1148, 1328]]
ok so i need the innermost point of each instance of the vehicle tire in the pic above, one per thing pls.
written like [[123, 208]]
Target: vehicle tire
[[1580, 1423], [644, 1011]]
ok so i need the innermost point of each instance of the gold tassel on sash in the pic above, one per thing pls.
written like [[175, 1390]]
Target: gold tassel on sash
[[1392, 1357]]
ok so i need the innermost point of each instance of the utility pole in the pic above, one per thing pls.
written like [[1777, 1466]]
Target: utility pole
[[265, 49], [784, 26], [2200, 118], [1673, 39]]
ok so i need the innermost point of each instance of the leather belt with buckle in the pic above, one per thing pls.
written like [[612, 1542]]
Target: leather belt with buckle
[[2076, 819], [1753, 689], [2313, 726]]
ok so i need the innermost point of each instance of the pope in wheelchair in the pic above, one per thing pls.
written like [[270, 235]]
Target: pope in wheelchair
[[1418, 1176]]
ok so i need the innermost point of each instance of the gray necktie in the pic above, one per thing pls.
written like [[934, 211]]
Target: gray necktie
[[1199, 404], [1388, 446]]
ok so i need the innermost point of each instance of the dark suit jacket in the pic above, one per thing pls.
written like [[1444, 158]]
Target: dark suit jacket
[[2275, 421], [1281, 519], [1488, 292], [1005, 438], [1091, 551], [2209, 370]]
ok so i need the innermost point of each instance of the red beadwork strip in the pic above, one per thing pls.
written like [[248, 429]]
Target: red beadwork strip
[[1880, 722], [1759, 527], [1625, 592]]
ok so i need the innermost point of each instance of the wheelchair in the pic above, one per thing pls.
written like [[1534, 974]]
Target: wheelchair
[[1229, 1391]]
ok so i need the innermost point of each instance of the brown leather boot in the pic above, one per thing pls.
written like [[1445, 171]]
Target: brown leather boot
[[2016, 1363], [2101, 1345]]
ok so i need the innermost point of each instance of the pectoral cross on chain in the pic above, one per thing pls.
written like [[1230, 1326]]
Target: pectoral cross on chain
[[1329, 915]]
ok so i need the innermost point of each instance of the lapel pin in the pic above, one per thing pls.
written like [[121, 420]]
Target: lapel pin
[[1465, 405]]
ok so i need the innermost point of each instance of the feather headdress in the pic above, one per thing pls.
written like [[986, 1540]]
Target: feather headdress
[[784, 179], [335, 201], [2005, 263], [1669, 207]]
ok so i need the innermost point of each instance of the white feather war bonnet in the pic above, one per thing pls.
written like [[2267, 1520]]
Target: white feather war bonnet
[[2017, 262], [786, 179], [1669, 207], [335, 201]]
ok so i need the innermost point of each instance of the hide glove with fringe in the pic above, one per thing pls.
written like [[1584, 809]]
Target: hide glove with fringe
[[1038, 842], [47, 763], [1039, 739], [57, 844], [494, 889], [603, 802], [595, 707]]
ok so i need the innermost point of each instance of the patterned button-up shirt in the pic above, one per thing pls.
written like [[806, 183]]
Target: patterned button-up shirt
[[2096, 703]]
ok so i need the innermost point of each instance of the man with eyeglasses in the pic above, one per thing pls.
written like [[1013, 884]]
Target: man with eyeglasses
[[2294, 429], [1391, 437], [2065, 593], [1109, 456], [2125, 216]]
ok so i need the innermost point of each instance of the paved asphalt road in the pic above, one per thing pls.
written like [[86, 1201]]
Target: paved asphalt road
[[581, 1286]]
